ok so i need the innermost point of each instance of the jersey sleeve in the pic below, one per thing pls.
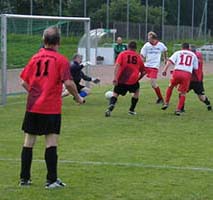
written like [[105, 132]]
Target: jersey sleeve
[[164, 48], [173, 58], [143, 51]]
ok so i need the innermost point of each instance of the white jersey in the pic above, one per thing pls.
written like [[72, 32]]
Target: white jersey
[[152, 54], [184, 60]]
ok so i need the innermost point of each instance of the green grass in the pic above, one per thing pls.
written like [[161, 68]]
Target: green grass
[[22, 47], [151, 156]]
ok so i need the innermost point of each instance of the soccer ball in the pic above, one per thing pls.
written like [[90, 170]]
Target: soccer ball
[[108, 94]]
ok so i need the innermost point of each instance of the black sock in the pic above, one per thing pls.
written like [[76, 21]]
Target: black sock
[[207, 102], [51, 159], [26, 160], [112, 103], [134, 101]]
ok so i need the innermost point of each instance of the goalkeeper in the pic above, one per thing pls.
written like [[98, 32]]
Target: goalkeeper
[[78, 75]]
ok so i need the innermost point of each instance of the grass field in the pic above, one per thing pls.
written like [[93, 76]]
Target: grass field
[[154, 155]]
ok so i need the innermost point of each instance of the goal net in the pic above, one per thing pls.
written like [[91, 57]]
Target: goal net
[[21, 37]]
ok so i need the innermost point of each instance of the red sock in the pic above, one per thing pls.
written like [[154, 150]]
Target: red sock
[[181, 102], [168, 94], [158, 92]]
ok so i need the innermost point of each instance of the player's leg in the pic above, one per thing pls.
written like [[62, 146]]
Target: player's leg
[[30, 129], [134, 100], [118, 90], [199, 90], [26, 159], [51, 157], [112, 102], [181, 102], [157, 90], [169, 91], [183, 80]]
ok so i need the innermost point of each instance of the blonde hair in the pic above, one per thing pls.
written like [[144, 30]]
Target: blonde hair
[[153, 35]]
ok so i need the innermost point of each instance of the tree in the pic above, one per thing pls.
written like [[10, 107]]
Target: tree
[[118, 12]]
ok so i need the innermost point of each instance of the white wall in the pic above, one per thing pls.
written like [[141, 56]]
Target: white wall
[[106, 52]]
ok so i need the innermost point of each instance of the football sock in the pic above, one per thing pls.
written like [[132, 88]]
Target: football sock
[[181, 102], [168, 94], [51, 159], [112, 103], [134, 102], [158, 92], [26, 160], [207, 102]]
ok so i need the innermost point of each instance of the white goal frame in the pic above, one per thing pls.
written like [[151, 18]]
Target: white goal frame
[[4, 18]]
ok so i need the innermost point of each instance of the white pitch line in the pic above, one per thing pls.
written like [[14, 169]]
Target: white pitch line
[[137, 165]]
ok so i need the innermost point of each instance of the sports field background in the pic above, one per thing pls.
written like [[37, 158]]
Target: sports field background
[[105, 73], [154, 155]]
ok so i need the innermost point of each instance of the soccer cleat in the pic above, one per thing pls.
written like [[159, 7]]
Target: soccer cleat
[[57, 184], [165, 106], [159, 101], [24, 182], [178, 112], [107, 113], [209, 107], [132, 112]]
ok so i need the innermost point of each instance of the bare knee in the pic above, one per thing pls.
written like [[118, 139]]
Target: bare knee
[[29, 140], [51, 140], [154, 83]]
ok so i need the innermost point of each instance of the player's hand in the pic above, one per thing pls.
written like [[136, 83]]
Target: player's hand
[[164, 73], [80, 99], [96, 80]]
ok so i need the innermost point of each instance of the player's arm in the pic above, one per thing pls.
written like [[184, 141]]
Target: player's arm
[[71, 87], [168, 63], [165, 57]]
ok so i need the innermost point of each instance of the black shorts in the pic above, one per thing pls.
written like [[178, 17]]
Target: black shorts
[[41, 124], [122, 89], [197, 87]]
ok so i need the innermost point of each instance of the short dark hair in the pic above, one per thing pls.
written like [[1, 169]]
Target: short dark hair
[[132, 45], [51, 36], [77, 55], [185, 45], [193, 48]]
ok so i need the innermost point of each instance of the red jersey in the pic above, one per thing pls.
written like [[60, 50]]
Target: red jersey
[[45, 73], [131, 66], [197, 75]]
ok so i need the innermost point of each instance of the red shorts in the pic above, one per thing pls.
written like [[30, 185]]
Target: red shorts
[[151, 72], [181, 79]]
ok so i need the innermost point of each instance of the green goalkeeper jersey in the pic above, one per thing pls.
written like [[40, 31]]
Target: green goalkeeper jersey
[[119, 48]]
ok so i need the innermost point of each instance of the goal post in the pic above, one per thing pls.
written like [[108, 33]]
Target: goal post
[[22, 26]]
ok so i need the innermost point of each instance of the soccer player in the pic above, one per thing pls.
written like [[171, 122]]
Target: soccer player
[[78, 75], [129, 69], [42, 78], [196, 83], [119, 47], [151, 54], [185, 62]]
